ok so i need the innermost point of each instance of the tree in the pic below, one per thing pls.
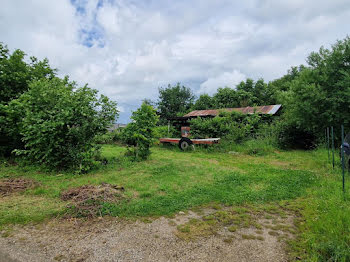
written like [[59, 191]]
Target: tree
[[320, 95], [140, 133], [204, 101], [225, 98], [279, 86], [59, 122], [15, 76], [174, 101]]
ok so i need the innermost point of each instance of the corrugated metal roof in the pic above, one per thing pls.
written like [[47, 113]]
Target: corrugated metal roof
[[270, 110]]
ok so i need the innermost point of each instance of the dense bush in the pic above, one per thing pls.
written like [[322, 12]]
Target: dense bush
[[289, 135], [15, 75], [233, 126], [165, 131], [59, 123], [139, 134], [319, 96], [109, 137]]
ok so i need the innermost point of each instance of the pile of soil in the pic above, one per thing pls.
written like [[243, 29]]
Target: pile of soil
[[86, 201], [12, 185]]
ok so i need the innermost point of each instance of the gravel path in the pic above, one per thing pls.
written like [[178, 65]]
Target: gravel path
[[111, 239]]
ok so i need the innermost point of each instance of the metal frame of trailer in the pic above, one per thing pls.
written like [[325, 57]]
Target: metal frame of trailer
[[186, 142]]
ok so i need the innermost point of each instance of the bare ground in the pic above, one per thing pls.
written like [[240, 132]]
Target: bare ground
[[113, 239], [13, 185]]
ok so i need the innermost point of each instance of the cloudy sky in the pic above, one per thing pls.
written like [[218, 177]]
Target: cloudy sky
[[129, 48]]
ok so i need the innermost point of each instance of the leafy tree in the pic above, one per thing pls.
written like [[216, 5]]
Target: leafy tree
[[140, 133], [247, 86], [320, 95], [225, 98], [15, 76], [60, 121], [174, 101], [279, 86], [204, 101]]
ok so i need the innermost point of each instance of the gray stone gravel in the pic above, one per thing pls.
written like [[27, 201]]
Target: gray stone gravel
[[111, 239]]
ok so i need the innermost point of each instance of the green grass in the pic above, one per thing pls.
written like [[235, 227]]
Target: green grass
[[171, 181]]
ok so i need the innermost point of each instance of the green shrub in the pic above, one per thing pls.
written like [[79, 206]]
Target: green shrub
[[233, 126], [60, 122], [109, 137], [290, 135], [139, 134], [164, 131], [15, 75]]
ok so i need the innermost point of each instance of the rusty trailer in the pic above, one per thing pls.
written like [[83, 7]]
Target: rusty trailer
[[185, 142]]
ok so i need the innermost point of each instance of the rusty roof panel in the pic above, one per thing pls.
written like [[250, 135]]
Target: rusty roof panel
[[270, 110]]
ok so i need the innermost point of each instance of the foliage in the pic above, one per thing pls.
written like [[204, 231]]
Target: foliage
[[234, 126], [60, 121], [225, 98], [15, 76], [320, 95], [162, 131], [140, 133], [248, 93], [174, 101], [280, 86], [204, 102], [109, 137]]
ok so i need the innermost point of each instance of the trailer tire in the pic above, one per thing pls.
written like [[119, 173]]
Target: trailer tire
[[185, 143]]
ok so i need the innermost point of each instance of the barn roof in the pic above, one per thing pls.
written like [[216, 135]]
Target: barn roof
[[267, 110]]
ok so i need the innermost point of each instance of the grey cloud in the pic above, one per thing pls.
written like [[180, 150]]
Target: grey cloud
[[142, 45]]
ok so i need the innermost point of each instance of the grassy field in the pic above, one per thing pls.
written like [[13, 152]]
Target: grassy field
[[171, 181]]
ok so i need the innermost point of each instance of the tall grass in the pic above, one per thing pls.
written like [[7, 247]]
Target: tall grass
[[326, 232]]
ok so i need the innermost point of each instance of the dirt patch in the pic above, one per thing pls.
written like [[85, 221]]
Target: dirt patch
[[113, 239], [86, 201], [285, 165], [13, 185], [213, 161]]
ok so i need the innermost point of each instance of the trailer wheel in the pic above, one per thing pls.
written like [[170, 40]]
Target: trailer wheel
[[185, 143]]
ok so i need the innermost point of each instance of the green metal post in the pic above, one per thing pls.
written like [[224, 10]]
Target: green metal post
[[332, 131], [328, 141]]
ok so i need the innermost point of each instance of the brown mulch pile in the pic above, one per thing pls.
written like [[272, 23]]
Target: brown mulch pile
[[87, 200], [12, 185]]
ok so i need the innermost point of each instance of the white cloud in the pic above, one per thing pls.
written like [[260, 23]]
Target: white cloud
[[230, 79], [127, 49]]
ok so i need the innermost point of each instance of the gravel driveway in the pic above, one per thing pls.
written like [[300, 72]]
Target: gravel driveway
[[112, 239]]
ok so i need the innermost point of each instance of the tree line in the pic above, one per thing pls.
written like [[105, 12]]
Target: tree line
[[54, 122], [314, 96]]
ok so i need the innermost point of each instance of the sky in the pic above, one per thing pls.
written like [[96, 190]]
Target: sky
[[128, 49]]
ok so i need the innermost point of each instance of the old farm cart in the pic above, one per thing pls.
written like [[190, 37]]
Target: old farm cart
[[185, 142]]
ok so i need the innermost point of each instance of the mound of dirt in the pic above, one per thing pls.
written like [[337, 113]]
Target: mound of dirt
[[87, 200], [12, 185]]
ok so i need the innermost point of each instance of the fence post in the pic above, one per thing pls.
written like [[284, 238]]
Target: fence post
[[328, 142]]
